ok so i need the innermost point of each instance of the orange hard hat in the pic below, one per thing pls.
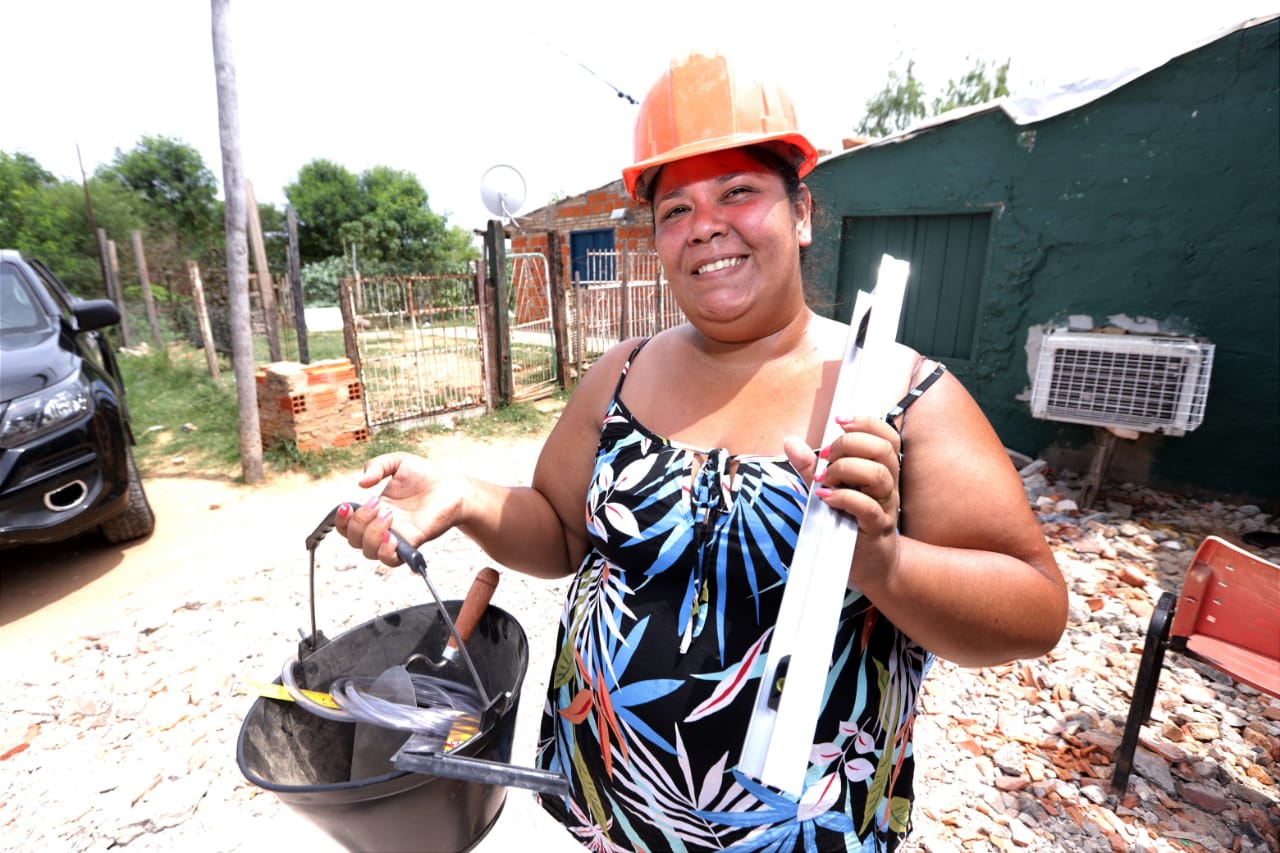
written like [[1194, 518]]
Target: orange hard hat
[[699, 105]]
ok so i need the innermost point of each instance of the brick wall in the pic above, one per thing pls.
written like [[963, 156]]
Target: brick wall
[[587, 211]]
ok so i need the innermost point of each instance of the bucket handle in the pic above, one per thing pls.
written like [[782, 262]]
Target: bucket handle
[[412, 558]]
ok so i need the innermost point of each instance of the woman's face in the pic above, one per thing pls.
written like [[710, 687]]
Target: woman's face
[[729, 239]]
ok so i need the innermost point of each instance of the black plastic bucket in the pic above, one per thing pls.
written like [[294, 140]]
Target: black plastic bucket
[[306, 759]]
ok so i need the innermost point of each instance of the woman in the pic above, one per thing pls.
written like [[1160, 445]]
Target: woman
[[691, 453]]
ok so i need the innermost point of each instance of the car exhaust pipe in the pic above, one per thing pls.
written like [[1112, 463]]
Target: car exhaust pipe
[[66, 497]]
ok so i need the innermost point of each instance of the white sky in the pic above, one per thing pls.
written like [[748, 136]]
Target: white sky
[[445, 91]]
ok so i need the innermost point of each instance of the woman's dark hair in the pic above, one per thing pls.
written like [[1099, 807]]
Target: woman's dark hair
[[766, 154]]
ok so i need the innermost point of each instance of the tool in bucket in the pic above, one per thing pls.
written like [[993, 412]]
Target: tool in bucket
[[454, 711], [780, 732], [308, 761]]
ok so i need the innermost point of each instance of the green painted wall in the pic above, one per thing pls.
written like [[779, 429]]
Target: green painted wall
[[1160, 200]]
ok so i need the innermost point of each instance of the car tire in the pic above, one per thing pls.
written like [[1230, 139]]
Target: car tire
[[137, 520]]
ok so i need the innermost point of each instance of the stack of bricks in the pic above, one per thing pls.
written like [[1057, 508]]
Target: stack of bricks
[[317, 406]]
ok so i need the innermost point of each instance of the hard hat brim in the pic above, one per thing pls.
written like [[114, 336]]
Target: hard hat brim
[[796, 148]]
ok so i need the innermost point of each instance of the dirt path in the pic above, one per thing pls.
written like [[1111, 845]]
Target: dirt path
[[55, 593], [215, 595]]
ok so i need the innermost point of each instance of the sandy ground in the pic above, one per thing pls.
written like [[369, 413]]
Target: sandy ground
[[209, 530]]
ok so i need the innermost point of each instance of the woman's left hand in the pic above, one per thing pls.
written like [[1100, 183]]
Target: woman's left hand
[[860, 477]]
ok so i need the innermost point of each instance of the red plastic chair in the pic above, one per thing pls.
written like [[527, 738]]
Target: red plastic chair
[[1227, 616]]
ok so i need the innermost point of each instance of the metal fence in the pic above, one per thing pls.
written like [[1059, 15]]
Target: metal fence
[[420, 346], [420, 338], [603, 312], [533, 343]]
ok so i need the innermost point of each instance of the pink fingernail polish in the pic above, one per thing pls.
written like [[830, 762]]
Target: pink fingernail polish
[[824, 452], [818, 476], [842, 420], [384, 514], [344, 510], [386, 536], [822, 492], [372, 502]]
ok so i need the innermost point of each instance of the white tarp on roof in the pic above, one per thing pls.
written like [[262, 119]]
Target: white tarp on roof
[[1054, 101]]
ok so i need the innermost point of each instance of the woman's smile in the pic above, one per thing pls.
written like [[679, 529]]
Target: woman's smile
[[722, 264]]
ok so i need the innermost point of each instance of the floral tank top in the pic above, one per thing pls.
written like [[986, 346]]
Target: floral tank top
[[660, 650]]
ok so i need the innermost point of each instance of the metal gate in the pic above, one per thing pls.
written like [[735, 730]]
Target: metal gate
[[419, 344], [533, 350]]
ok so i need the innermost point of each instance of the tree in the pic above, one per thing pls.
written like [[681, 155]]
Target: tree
[[384, 213], [975, 87], [325, 196], [898, 105], [902, 101], [172, 177], [47, 218]]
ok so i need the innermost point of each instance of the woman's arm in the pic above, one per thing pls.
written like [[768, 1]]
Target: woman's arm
[[971, 578], [539, 530]]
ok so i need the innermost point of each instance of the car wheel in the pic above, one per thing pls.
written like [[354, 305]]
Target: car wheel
[[137, 520]]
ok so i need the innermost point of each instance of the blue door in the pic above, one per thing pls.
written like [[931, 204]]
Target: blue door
[[592, 257]]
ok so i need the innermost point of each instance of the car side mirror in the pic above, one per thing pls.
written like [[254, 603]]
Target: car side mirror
[[93, 314]]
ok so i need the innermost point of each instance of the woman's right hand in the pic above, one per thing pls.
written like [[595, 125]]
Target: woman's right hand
[[417, 502]]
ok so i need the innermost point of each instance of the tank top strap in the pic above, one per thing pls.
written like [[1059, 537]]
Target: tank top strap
[[622, 377], [914, 394]]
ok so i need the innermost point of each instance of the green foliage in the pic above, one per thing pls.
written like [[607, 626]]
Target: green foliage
[[975, 87], [382, 217], [902, 101], [325, 196], [48, 219], [320, 281], [275, 235], [169, 389], [515, 419], [285, 455], [173, 179], [161, 188]]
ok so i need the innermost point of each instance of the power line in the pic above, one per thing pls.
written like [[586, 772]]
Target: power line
[[621, 94]]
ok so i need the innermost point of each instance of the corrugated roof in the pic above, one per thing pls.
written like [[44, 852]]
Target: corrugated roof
[[1046, 103]]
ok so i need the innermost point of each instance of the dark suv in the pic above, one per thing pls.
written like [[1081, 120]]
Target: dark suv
[[66, 464]]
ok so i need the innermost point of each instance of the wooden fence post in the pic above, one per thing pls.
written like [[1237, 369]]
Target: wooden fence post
[[624, 288], [349, 340], [488, 347], [659, 321], [106, 266], [496, 240], [295, 284], [202, 312], [145, 280], [114, 265], [559, 329], [580, 333], [266, 288]]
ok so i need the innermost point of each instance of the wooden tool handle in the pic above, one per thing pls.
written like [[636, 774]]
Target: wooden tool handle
[[482, 589]]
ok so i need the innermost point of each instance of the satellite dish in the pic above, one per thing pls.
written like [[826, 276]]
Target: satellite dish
[[502, 190]]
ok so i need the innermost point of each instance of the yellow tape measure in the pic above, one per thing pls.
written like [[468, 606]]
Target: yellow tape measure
[[278, 691], [461, 732]]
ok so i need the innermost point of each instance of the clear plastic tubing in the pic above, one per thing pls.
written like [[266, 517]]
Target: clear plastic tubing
[[442, 705]]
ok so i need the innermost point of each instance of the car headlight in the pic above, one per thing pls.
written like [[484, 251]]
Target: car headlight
[[36, 414]]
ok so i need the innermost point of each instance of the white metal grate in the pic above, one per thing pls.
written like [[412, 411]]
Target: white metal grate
[[1148, 383]]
